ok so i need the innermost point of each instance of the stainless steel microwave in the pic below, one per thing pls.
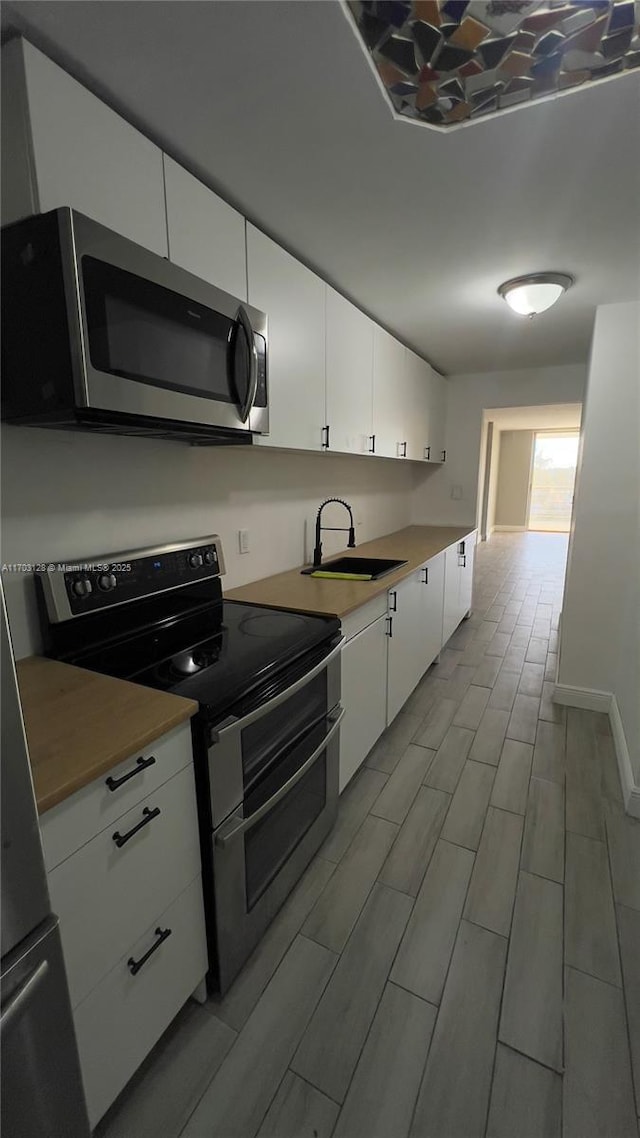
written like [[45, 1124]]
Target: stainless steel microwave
[[99, 333]]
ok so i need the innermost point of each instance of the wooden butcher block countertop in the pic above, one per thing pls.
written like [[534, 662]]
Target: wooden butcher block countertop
[[80, 724], [290, 590]]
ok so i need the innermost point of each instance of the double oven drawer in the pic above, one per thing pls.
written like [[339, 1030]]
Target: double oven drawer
[[273, 784]]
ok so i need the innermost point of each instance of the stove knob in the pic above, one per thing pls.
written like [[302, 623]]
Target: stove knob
[[82, 587], [209, 556], [195, 560], [107, 582]]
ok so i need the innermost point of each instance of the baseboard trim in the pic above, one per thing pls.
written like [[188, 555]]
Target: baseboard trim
[[509, 529], [605, 701], [630, 791], [586, 698]]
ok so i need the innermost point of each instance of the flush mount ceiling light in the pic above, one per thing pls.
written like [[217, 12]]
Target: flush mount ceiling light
[[532, 294]]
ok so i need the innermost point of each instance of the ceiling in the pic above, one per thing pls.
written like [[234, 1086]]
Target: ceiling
[[546, 417], [274, 105]]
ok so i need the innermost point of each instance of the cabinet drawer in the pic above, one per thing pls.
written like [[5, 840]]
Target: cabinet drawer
[[105, 895], [362, 617], [122, 1019], [66, 827]]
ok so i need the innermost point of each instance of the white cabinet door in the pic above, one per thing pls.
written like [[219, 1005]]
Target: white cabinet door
[[294, 300], [431, 610], [417, 406], [404, 643], [458, 583], [364, 696], [349, 375], [206, 236], [437, 404], [466, 559], [452, 616], [83, 154], [389, 393]]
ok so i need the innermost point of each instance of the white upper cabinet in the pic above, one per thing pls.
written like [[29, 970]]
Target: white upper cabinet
[[349, 376], [206, 236], [71, 149], [437, 404], [294, 300], [417, 406], [389, 393]]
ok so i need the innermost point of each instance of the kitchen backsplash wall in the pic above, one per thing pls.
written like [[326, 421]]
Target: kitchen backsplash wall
[[68, 495]]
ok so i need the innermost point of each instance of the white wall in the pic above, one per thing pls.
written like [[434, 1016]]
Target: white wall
[[71, 495], [514, 475], [494, 466], [468, 396], [600, 645]]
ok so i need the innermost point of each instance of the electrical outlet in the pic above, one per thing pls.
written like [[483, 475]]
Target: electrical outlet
[[456, 493], [243, 540]]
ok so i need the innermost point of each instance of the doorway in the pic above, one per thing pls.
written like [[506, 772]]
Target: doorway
[[553, 475]]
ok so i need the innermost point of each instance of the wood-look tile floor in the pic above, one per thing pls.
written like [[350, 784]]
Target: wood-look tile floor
[[462, 958]]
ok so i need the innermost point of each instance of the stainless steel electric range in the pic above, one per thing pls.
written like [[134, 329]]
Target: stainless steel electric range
[[266, 738]]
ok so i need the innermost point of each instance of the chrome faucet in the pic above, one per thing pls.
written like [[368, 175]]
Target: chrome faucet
[[317, 553]]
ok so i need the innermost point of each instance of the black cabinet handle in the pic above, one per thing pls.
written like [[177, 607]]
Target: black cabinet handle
[[425, 579], [427, 453], [390, 626], [134, 966], [404, 450], [149, 815], [325, 441], [141, 765], [393, 606], [444, 455], [462, 561], [461, 549], [372, 444]]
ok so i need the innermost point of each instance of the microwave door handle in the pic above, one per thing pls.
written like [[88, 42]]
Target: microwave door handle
[[242, 316], [237, 826]]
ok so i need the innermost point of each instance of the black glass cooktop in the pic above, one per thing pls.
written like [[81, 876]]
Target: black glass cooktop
[[216, 655]]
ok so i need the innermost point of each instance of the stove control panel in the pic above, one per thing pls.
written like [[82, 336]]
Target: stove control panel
[[73, 589]]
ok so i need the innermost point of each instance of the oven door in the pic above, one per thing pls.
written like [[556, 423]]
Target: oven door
[[157, 341], [263, 848]]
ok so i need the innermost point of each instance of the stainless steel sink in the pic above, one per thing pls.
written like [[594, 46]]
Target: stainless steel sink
[[372, 567]]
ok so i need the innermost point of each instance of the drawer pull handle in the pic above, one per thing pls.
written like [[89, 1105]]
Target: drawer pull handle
[[393, 603], [149, 815], [141, 765], [134, 966]]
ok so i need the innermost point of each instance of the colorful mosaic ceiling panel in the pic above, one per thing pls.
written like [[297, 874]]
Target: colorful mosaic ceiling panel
[[447, 62]]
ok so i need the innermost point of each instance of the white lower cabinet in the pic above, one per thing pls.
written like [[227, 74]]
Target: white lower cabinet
[[364, 696], [121, 1020], [404, 643], [458, 583], [123, 863], [431, 611], [107, 893]]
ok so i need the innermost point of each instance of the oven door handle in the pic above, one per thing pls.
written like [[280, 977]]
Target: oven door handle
[[235, 827], [233, 724]]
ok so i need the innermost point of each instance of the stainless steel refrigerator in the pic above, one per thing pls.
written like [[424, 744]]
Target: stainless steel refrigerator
[[41, 1083]]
